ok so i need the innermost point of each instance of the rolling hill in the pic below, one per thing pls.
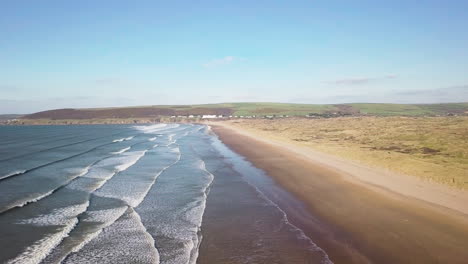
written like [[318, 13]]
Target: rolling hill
[[253, 109]]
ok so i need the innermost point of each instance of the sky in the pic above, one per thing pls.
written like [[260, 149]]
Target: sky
[[74, 54]]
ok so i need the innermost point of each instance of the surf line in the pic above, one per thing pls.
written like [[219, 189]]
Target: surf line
[[90, 237]]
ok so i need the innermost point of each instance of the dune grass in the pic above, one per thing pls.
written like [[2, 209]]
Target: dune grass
[[433, 148]]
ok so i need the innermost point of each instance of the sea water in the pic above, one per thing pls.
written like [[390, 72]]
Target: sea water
[[159, 193]]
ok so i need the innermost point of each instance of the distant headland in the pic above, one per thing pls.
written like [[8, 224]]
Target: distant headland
[[195, 113]]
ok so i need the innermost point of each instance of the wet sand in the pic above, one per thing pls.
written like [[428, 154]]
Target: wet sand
[[239, 227], [242, 223], [356, 222]]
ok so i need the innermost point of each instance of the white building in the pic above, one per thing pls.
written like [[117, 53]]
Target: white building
[[209, 116]]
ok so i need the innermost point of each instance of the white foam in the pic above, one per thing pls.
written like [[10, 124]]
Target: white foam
[[78, 172], [138, 193], [131, 159], [195, 214], [299, 232], [59, 216], [99, 173], [152, 128], [14, 173], [123, 139], [153, 138], [34, 199], [182, 255], [175, 150], [88, 185], [87, 239], [137, 201], [171, 137], [171, 140], [180, 225], [125, 241], [121, 151], [105, 170], [105, 216], [121, 162], [134, 192], [39, 250]]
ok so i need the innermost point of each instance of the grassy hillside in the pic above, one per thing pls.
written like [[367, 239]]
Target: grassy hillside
[[262, 109], [254, 109], [9, 117], [376, 109]]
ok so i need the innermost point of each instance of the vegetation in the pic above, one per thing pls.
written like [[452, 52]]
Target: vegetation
[[433, 148], [256, 109], [260, 109], [9, 117], [426, 140], [411, 109]]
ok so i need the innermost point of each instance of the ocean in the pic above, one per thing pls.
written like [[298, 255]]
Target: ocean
[[163, 193]]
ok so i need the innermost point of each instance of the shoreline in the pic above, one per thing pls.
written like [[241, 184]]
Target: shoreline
[[359, 218], [387, 182]]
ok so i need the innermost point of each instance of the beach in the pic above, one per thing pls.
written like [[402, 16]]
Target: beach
[[361, 214]]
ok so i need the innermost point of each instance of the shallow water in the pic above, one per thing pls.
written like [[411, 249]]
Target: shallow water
[[164, 193]]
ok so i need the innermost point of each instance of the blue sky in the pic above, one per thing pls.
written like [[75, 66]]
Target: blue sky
[[56, 54]]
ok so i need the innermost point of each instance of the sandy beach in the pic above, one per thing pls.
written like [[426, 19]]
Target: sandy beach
[[363, 215]]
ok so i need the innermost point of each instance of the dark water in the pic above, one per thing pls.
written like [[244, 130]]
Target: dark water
[[138, 194]]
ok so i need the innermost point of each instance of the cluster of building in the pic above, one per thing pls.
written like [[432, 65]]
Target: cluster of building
[[199, 116], [226, 116]]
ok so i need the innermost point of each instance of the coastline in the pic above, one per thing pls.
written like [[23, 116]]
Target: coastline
[[382, 180], [361, 217]]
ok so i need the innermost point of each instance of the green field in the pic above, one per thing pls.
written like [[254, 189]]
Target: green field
[[260, 109]]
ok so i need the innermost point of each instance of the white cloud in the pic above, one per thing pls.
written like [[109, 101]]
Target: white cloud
[[450, 94], [362, 80], [222, 61]]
